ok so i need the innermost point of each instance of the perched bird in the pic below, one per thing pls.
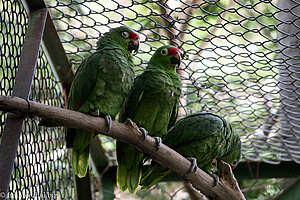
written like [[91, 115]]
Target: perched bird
[[202, 137], [100, 87], [152, 104]]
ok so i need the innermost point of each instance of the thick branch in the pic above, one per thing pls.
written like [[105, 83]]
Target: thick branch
[[128, 133]]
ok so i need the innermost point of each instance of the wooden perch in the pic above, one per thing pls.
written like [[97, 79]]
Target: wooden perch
[[128, 133]]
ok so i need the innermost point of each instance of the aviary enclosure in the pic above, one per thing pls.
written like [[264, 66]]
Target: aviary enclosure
[[241, 62]]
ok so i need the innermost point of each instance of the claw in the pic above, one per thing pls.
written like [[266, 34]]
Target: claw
[[216, 178], [193, 167], [158, 142], [108, 122], [144, 132], [95, 112]]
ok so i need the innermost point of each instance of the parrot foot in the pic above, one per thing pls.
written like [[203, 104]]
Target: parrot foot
[[108, 122], [144, 132], [216, 178], [158, 142], [108, 119], [193, 167], [95, 112]]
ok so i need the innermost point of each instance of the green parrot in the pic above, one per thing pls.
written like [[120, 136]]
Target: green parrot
[[100, 87], [202, 137], [152, 104]]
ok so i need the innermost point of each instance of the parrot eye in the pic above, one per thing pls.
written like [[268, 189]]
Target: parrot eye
[[234, 163], [164, 52], [125, 34]]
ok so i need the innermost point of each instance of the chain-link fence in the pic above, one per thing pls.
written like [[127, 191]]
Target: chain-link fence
[[42, 167], [241, 62]]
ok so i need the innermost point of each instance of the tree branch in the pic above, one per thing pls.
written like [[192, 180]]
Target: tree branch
[[128, 133], [194, 194]]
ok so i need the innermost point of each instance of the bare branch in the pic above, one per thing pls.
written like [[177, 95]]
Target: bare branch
[[128, 133], [194, 194]]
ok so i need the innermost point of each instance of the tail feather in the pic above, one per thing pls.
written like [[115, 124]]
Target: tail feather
[[80, 162], [129, 171], [121, 177], [81, 141], [133, 180], [154, 175]]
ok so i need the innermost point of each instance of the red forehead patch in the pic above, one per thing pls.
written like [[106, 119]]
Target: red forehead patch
[[133, 35], [173, 51]]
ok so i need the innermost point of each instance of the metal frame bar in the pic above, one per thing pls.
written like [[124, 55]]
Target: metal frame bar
[[262, 170], [258, 170], [55, 52], [22, 87], [244, 170], [41, 31], [53, 48]]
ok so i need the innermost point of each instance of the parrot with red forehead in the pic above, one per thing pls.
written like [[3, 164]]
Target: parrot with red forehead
[[201, 137], [152, 103], [100, 87]]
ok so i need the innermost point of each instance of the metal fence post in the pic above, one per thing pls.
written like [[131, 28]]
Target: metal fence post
[[22, 86]]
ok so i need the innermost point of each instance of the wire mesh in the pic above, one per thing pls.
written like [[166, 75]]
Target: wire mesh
[[42, 167], [241, 63], [232, 65]]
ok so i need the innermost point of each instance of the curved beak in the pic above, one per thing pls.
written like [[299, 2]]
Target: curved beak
[[176, 59], [134, 45]]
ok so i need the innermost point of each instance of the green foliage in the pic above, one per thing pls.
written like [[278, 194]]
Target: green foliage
[[261, 189]]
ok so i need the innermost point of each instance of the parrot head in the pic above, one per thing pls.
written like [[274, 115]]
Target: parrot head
[[124, 36], [234, 155], [168, 56]]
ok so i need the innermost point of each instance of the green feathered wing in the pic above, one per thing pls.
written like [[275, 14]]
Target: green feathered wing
[[129, 170], [80, 90], [102, 83], [204, 136], [152, 104]]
